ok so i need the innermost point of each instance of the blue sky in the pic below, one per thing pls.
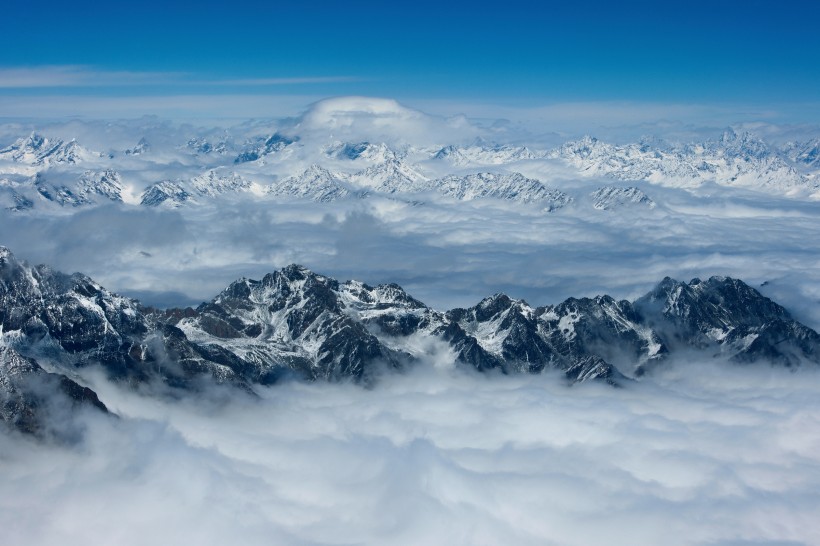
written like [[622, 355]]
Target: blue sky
[[508, 52]]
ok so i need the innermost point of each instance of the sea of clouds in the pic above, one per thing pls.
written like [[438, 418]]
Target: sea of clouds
[[701, 453], [446, 254]]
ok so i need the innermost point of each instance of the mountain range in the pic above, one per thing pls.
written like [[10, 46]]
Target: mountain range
[[37, 171], [297, 323]]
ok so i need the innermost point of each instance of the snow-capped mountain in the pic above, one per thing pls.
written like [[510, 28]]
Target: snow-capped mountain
[[508, 187], [105, 184], [168, 193], [303, 161], [42, 189], [314, 183], [615, 197], [736, 159], [260, 147], [204, 146], [38, 150], [73, 321], [141, 148], [215, 183], [296, 322], [32, 398], [362, 151], [478, 154], [391, 176], [804, 153]]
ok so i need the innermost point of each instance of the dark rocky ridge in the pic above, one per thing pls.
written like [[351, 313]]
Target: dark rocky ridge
[[31, 399], [295, 322]]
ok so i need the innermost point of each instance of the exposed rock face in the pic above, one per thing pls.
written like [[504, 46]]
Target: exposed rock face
[[614, 197], [261, 147], [36, 402], [730, 317], [75, 321], [296, 322], [292, 318], [166, 192]]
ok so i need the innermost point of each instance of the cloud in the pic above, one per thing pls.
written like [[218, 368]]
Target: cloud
[[379, 119], [79, 76], [88, 76], [627, 121], [220, 108], [283, 81], [703, 453], [444, 254], [699, 453]]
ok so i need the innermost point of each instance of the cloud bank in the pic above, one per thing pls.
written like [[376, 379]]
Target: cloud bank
[[698, 454], [445, 255]]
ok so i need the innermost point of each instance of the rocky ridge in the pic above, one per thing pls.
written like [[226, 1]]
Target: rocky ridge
[[294, 322], [37, 170]]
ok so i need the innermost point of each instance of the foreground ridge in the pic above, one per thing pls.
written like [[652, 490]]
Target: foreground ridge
[[294, 322]]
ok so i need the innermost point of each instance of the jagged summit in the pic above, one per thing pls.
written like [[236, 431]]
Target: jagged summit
[[297, 322], [295, 319], [616, 197], [39, 150], [363, 151], [351, 148]]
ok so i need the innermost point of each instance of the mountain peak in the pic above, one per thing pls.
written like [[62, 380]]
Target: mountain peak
[[296, 272]]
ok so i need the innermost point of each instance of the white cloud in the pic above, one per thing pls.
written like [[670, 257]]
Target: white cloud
[[701, 454], [378, 119], [446, 255], [216, 108], [89, 76], [282, 81], [79, 76]]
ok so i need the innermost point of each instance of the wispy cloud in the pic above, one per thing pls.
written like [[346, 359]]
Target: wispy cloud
[[60, 76], [78, 76], [283, 81]]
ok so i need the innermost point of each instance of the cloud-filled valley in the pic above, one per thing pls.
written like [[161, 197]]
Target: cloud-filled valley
[[433, 234], [698, 450], [698, 454]]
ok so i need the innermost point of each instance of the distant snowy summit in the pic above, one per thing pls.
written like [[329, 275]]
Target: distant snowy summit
[[735, 160], [38, 150], [359, 148]]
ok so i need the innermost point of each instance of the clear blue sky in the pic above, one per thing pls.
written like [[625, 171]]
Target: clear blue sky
[[508, 50]]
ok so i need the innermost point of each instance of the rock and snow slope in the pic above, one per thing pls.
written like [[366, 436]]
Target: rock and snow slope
[[296, 322], [349, 149]]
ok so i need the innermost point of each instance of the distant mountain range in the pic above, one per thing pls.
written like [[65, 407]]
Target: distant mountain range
[[40, 172], [296, 323]]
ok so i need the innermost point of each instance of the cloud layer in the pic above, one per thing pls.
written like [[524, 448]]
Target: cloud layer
[[700, 454], [443, 254]]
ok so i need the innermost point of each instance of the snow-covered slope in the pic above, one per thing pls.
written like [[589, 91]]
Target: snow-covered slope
[[294, 321], [736, 159], [33, 400], [485, 154], [615, 197], [38, 150], [352, 147], [315, 184], [508, 187]]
